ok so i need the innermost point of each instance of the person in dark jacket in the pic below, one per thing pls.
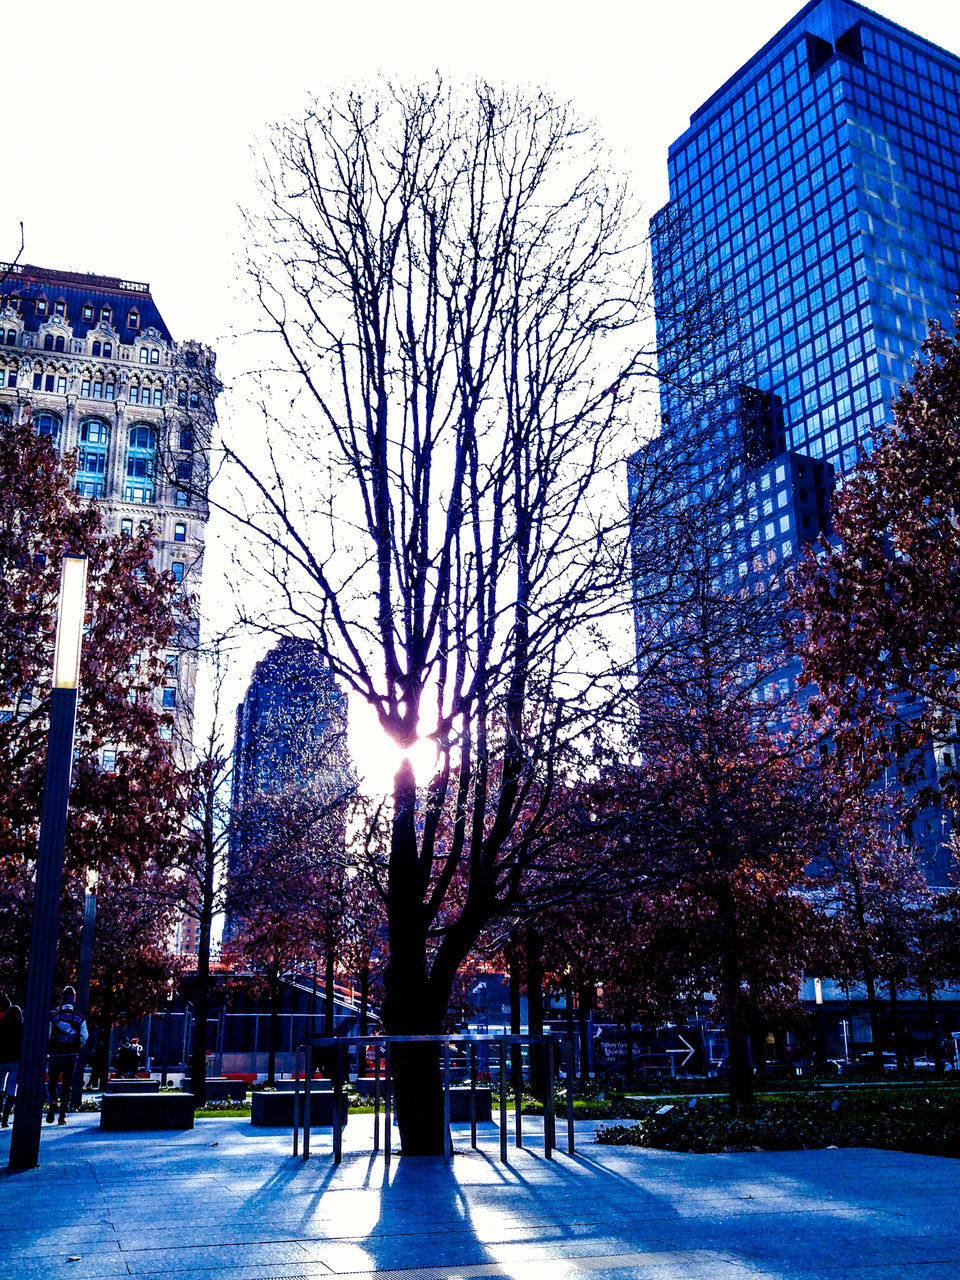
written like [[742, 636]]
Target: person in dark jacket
[[11, 1038], [68, 1035]]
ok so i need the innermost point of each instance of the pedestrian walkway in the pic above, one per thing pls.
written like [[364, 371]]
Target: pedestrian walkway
[[225, 1201]]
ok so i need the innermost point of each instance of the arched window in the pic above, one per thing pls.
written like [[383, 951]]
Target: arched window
[[11, 337], [58, 344], [141, 457], [92, 457], [108, 350], [95, 349], [48, 424], [48, 342]]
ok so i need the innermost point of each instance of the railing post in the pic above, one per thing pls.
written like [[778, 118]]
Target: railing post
[[376, 1097], [296, 1102], [518, 1105], [503, 1099], [387, 1083], [473, 1096], [307, 1094], [570, 1065], [447, 1141], [548, 1111]]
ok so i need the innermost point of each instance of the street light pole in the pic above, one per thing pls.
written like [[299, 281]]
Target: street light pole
[[28, 1116]]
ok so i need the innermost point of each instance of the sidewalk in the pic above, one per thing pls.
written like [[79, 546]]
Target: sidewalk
[[227, 1202]]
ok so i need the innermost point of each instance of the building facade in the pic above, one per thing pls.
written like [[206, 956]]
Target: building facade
[[290, 735], [90, 361], [817, 192]]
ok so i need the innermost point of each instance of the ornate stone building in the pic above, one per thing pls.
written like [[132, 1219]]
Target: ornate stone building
[[90, 360]]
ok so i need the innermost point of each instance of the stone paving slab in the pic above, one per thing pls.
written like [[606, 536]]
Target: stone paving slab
[[222, 1203]]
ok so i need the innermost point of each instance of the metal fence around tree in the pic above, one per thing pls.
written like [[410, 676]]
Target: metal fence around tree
[[338, 1049]]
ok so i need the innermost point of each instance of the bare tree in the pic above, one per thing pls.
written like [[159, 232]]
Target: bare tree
[[457, 291]]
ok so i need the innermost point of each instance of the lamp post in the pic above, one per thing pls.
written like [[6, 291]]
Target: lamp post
[[91, 880], [28, 1116]]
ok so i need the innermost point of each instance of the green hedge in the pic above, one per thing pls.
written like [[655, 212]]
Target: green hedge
[[907, 1119]]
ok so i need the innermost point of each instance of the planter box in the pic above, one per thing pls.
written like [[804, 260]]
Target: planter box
[[132, 1086], [275, 1110], [219, 1089], [146, 1111]]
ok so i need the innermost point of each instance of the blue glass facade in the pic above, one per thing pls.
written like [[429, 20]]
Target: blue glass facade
[[817, 193], [820, 189]]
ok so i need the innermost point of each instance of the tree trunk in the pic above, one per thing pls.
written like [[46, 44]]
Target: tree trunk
[[201, 1005], [409, 1007], [738, 1050], [516, 1022], [583, 1009], [363, 1014], [329, 1006], [896, 1028], [873, 1012], [533, 948]]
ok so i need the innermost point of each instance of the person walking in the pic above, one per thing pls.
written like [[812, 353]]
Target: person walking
[[68, 1035], [11, 1038]]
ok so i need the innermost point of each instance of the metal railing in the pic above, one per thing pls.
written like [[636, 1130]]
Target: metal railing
[[382, 1046]]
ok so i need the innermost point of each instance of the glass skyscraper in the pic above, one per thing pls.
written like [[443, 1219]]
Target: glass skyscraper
[[816, 195], [818, 190]]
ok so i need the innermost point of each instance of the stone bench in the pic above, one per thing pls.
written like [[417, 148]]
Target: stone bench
[[132, 1086], [275, 1110], [220, 1089], [146, 1111]]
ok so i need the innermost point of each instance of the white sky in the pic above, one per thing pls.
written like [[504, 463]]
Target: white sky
[[128, 125]]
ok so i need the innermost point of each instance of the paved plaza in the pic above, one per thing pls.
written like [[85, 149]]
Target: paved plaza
[[228, 1202]]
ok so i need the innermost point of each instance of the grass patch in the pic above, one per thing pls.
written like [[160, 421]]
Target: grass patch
[[913, 1118]]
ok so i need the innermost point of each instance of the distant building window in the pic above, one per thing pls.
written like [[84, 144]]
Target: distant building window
[[59, 308], [180, 498], [48, 342], [144, 355], [95, 349], [166, 733], [133, 320], [90, 488], [154, 355], [61, 386], [11, 337], [169, 697], [37, 381], [98, 391], [12, 378], [181, 397], [93, 431], [134, 395], [41, 306], [138, 493], [85, 387], [87, 314], [183, 472], [109, 390], [172, 664], [105, 315], [177, 570], [48, 382], [109, 760], [143, 437], [186, 439], [126, 528], [48, 424], [108, 350], [58, 344], [157, 397], [179, 532], [194, 399]]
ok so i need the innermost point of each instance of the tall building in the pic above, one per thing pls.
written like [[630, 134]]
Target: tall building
[[817, 193], [290, 735], [820, 188], [91, 362]]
